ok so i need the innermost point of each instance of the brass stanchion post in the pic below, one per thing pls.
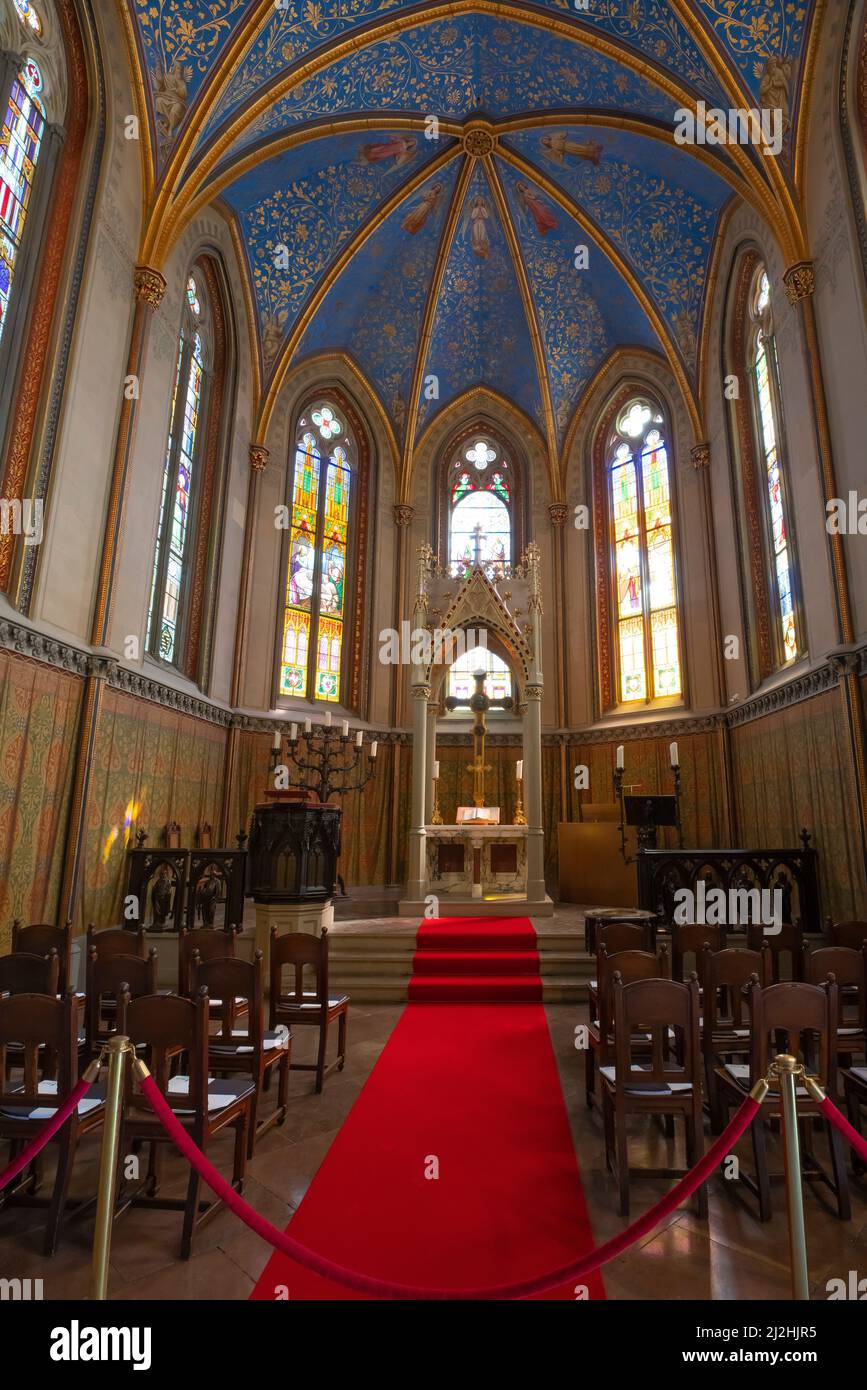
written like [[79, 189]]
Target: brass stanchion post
[[117, 1050], [786, 1070]]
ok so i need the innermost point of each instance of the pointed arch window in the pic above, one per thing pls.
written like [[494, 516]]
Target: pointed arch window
[[168, 606], [643, 579], [461, 678], [765, 390], [322, 499], [481, 498], [20, 147]]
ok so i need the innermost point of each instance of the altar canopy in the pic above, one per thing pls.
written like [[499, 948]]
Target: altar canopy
[[476, 864]]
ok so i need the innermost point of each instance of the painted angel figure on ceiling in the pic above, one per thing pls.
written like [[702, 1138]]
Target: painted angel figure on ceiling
[[171, 98], [560, 146], [421, 211], [399, 148], [776, 78], [479, 214], [533, 203]]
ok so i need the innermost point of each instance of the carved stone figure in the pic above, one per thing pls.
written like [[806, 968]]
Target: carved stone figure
[[162, 897], [774, 87], [208, 895]]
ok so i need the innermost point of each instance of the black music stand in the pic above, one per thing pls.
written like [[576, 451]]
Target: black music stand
[[648, 813]]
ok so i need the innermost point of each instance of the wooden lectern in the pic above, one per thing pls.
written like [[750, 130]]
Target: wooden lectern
[[592, 871]]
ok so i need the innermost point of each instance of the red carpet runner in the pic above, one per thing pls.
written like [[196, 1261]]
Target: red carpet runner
[[473, 1090]]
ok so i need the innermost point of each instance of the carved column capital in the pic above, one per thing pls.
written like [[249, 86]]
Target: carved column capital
[[403, 514], [149, 286], [533, 692], [800, 281], [559, 513], [421, 692], [700, 457], [259, 457]]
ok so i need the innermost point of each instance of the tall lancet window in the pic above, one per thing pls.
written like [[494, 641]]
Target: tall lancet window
[[20, 146], [647, 642], [320, 506], [181, 476], [765, 387], [480, 501]]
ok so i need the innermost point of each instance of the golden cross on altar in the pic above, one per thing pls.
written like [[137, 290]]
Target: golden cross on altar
[[478, 767], [479, 704]]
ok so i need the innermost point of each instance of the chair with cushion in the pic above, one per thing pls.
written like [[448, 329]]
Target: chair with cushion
[[38, 1069], [291, 1004], [107, 979], [655, 1082], [847, 967], [632, 965], [786, 945], [161, 1025], [252, 1050], [725, 1027], [42, 937], [614, 937], [806, 1017]]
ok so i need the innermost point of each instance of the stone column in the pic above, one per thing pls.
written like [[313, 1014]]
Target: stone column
[[700, 459], [533, 794], [800, 282], [559, 514], [149, 288], [417, 876], [403, 514], [430, 759]]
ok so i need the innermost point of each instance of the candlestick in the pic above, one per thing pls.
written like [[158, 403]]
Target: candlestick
[[344, 728], [328, 719], [620, 757], [275, 742], [373, 748], [359, 736], [307, 726], [520, 769], [436, 771], [675, 761], [293, 733]]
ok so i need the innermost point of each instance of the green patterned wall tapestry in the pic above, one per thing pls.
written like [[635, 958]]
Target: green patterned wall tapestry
[[39, 709], [794, 769], [157, 765]]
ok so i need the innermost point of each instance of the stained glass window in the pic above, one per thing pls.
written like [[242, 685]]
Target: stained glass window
[[765, 386], [20, 143], [28, 15], [480, 510], [498, 677], [179, 478], [646, 618], [314, 610]]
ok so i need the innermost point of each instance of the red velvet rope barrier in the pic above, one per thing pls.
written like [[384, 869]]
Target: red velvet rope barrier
[[383, 1288], [38, 1142], [836, 1117]]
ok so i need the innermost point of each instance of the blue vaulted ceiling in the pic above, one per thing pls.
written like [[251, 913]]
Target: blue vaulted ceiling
[[309, 120]]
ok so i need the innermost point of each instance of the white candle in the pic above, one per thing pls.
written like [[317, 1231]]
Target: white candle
[[275, 742], [344, 728], [620, 763], [307, 726], [674, 758], [328, 719], [520, 769], [293, 733], [359, 736], [373, 748], [436, 774]]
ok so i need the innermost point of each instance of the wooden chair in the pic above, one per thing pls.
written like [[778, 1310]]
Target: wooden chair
[[295, 1005], [23, 973], [107, 980], [847, 967], [211, 943], [851, 934], [806, 1016], [42, 1030], [595, 921], [659, 1084], [250, 1050], [632, 965], [42, 937], [787, 941], [614, 937], [167, 1024], [117, 941], [688, 939], [855, 1091], [725, 1027]]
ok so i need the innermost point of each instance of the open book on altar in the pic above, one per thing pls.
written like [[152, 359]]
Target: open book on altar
[[478, 815]]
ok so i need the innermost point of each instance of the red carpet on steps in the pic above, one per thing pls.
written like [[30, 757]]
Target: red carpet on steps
[[476, 1087], [465, 960]]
